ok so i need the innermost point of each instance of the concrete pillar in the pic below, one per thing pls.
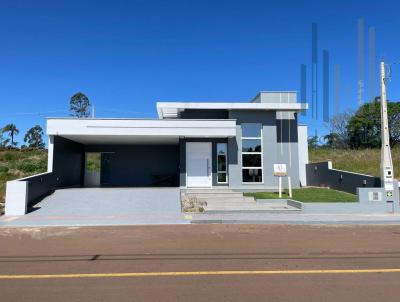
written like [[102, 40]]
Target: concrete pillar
[[16, 198]]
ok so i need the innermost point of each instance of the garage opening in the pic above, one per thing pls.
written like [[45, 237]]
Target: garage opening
[[131, 166], [92, 169]]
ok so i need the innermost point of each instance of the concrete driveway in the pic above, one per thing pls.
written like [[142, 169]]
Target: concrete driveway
[[104, 206]]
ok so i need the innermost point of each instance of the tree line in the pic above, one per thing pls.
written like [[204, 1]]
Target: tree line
[[360, 129], [79, 107], [33, 137]]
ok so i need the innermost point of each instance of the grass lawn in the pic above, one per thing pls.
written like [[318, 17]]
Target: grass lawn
[[362, 161], [15, 164], [309, 195]]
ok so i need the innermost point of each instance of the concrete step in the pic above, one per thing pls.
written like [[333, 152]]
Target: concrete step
[[228, 201], [230, 205], [217, 195], [238, 200], [249, 207], [250, 211], [194, 191]]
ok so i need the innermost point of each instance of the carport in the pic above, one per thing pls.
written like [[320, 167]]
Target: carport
[[130, 153], [124, 152]]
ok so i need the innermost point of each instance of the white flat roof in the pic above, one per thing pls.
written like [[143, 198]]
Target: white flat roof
[[170, 109], [136, 131]]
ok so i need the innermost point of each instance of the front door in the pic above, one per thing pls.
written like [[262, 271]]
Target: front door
[[198, 164]]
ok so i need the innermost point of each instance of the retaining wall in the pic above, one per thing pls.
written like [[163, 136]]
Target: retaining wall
[[322, 175]]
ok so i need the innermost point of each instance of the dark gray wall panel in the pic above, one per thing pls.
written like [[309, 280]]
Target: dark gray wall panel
[[319, 175], [286, 131], [40, 186], [137, 165], [204, 114], [68, 161]]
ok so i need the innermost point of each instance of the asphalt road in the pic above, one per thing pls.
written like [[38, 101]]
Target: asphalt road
[[201, 263]]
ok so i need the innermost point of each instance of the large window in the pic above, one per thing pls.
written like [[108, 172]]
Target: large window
[[222, 175], [252, 153]]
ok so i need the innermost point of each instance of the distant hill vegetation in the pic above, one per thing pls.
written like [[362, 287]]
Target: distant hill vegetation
[[365, 161]]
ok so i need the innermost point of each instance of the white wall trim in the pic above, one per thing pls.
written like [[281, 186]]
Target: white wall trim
[[172, 128]]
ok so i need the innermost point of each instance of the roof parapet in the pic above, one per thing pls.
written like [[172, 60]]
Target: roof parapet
[[275, 97]]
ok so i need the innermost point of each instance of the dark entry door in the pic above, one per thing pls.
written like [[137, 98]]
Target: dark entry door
[[105, 178]]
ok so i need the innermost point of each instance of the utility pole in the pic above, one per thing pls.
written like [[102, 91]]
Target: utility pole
[[386, 155]]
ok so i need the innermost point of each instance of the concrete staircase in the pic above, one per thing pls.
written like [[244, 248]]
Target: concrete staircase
[[228, 201]]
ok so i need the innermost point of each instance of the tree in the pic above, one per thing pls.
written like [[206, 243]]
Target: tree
[[3, 141], [312, 142], [338, 136], [79, 105], [12, 131], [364, 127], [332, 140], [34, 137]]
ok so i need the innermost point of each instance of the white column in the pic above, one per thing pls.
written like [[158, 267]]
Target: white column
[[50, 154]]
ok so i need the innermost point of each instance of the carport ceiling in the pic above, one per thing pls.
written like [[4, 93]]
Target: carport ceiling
[[123, 139]]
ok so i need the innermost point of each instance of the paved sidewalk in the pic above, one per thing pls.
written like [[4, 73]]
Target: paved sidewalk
[[171, 219], [92, 220], [266, 218]]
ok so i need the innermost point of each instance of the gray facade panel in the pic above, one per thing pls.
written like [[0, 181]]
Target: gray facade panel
[[273, 152]]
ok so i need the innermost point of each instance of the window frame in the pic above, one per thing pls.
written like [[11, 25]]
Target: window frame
[[252, 153], [226, 164]]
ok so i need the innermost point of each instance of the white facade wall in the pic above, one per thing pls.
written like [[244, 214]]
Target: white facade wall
[[303, 153]]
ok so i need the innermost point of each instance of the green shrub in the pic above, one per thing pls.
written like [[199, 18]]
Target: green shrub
[[31, 166]]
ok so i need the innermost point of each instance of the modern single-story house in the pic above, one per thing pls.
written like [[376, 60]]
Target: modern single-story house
[[189, 145]]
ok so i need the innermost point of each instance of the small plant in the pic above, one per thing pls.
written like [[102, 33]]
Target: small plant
[[191, 204], [29, 166], [4, 169]]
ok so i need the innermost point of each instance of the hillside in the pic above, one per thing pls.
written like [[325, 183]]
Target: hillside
[[20, 163], [365, 161]]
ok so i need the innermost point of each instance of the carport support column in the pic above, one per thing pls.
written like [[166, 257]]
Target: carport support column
[[50, 154]]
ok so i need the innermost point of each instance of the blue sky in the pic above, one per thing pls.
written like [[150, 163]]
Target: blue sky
[[126, 55]]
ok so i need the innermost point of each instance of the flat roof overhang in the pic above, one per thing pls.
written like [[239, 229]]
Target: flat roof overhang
[[171, 109], [138, 131]]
